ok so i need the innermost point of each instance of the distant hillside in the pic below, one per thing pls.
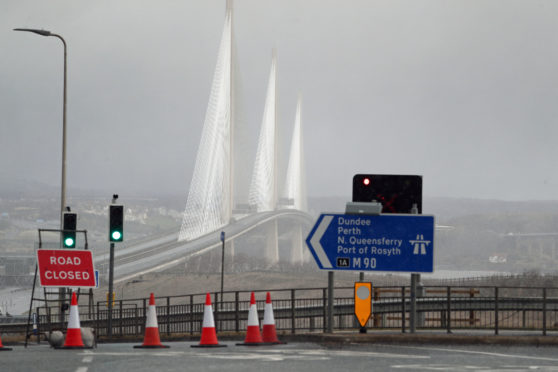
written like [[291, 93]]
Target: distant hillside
[[479, 230], [449, 208], [17, 189]]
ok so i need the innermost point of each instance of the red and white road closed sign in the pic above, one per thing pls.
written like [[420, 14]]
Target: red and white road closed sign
[[66, 268]]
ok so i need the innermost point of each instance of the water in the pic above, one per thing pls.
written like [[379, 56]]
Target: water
[[14, 301], [455, 274]]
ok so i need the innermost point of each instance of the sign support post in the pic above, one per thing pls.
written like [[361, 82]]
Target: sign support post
[[415, 279], [330, 293], [413, 309], [110, 289]]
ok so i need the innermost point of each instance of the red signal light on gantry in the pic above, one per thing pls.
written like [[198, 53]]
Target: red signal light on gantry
[[397, 193]]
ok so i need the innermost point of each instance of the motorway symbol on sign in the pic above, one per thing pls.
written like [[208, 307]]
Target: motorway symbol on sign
[[393, 242], [66, 268]]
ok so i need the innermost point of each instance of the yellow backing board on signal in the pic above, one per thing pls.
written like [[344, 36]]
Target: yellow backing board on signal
[[363, 302]]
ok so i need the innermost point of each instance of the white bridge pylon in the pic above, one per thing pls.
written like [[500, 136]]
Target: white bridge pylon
[[263, 188], [208, 205], [295, 184], [210, 201]]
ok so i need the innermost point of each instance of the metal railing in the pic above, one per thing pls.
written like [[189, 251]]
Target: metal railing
[[444, 308]]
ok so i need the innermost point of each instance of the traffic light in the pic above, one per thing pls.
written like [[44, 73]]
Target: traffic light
[[396, 193], [116, 223], [69, 227]]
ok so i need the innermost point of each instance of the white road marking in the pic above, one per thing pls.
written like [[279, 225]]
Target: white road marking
[[87, 359], [275, 355], [135, 353], [483, 353], [467, 368], [349, 353], [247, 356], [307, 355], [81, 369]]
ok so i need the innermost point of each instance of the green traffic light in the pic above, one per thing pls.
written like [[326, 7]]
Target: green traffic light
[[116, 235], [69, 242]]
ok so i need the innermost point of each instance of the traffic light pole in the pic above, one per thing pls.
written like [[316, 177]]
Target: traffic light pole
[[111, 264], [69, 224], [222, 266], [111, 282]]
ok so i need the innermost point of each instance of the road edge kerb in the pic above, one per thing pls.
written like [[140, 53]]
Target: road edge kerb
[[346, 339]]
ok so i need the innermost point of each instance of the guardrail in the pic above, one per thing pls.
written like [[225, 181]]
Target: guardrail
[[300, 310]]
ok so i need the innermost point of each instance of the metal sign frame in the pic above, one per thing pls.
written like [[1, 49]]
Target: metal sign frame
[[46, 293]]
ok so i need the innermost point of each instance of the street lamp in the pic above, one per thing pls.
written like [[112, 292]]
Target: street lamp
[[63, 186]]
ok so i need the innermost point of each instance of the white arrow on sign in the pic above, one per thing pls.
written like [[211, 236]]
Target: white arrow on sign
[[315, 242]]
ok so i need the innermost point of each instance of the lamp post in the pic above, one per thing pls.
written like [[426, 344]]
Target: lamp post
[[63, 183]]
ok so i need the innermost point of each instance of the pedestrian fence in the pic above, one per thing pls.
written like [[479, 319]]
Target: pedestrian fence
[[305, 310]]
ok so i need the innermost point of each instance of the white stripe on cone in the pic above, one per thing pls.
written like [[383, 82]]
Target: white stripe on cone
[[151, 321], [208, 317], [73, 322], [268, 315], [269, 334], [73, 333], [253, 316], [208, 334], [253, 335]]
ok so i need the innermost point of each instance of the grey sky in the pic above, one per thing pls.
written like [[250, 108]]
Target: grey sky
[[462, 92]]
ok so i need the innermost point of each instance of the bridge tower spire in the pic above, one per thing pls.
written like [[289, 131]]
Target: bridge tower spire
[[210, 197], [295, 184], [263, 188]]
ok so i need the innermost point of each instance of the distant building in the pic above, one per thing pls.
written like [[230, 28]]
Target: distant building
[[498, 258]]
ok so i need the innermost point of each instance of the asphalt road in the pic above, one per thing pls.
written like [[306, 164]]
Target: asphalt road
[[288, 357]]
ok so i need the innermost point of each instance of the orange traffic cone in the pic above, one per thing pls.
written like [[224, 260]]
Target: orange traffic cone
[[269, 333], [208, 334], [151, 338], [253, 335], [73, 334], [2, 348]]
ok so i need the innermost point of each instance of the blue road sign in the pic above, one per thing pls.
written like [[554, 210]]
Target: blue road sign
[[394, 242]]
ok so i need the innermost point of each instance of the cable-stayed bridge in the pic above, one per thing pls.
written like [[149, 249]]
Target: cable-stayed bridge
[[217, 199], [167, 252]]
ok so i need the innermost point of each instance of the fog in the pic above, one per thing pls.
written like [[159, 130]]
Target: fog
[[461, 92]]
